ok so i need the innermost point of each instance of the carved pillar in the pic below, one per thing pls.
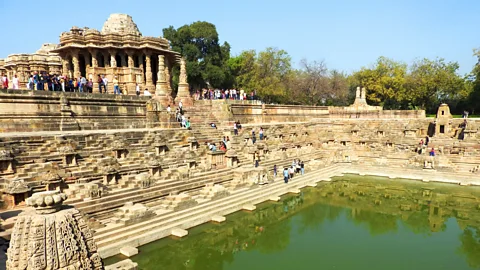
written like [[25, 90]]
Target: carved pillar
[[76, 65], [183, 93], [131, 63], [132, 74], [148, 72], [167, 76], [94, 69], [140, 62], [105, 59], [364, 93], [113, 61], [161, 89], [65, 65]]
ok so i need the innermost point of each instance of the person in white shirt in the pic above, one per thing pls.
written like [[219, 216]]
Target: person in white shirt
[[137, 89], [146, 93], [105, 83], [169, 110], [15, 82]]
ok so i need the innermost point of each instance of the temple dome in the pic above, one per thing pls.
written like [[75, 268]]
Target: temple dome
[[120, 24]]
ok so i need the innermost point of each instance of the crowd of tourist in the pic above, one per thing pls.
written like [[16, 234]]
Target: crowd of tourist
[[44, 81], [55, 82], [232, 94]]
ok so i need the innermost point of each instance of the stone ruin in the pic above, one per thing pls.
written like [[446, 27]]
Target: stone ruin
[[132, 213]]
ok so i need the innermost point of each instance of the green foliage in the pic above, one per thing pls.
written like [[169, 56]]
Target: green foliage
[[385, 82], [424, 84], [206, 58]]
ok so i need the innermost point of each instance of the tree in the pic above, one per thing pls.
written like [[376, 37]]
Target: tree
[[310, 84], [431, 82], [267, 72], [384, 81], [272, 72], [473, 85], [206, 58]]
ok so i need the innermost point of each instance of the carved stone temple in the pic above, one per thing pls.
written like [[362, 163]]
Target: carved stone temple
[[119, 49], [52, 236]]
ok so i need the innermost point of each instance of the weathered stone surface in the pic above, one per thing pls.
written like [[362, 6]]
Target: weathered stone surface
[[177, 232], [64, 239], [129, 251], [218, 219], [123, 265]]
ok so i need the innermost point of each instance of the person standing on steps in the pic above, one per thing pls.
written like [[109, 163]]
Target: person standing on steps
[[235, 129], [260, 133], [285, 175], [275, 171], [257, 159], [180, 105], [302, 167], [116, 90]]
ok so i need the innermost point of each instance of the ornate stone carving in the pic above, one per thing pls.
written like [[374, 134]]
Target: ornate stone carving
[[183, 72], [120, 24], [66, 150], [52, 237], [161, 68], [17, 186], [119, 144]]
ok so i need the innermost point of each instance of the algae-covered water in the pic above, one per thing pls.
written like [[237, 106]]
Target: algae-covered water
[[351, 223]]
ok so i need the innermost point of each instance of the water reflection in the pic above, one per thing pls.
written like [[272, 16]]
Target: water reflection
[[380, 206]]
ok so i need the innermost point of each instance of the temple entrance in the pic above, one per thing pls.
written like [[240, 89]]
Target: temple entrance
[[100, 60], [82, 65], [118, 59], [135, 61]]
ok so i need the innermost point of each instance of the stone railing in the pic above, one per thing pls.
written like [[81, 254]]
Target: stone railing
[[23, 111]]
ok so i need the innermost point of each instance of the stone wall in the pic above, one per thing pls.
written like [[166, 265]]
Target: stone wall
[[261, 113], [25, 111]]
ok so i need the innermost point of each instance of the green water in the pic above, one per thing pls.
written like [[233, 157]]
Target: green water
[[352, 223]]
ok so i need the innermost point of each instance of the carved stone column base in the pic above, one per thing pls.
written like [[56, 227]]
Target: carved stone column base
[[161, 89], [184, 95]]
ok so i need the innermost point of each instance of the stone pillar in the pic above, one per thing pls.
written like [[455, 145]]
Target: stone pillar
[[167, 76], [364, 93], [105, 59], [113, 61], [357, 94], [76, 65], [140, 65], [65, 65], [132, 75], [93, 52], [148, 73], [161, 88], [183, 93], [131, 63]]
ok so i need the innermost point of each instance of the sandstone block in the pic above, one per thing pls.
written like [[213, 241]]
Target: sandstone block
[[294, 191], [179, 232], [219, 219], [274, 198], [129, 251], [249, 207], [123, 265]]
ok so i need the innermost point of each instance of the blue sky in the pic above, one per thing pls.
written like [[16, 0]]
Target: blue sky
[[347, 34]]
